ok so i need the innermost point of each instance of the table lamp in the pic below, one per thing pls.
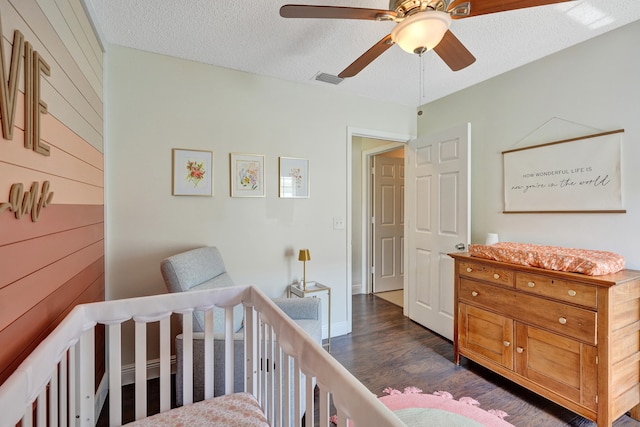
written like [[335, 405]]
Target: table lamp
[[304, 257]]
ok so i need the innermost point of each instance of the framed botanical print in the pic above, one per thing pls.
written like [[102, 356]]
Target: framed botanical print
[[192, 172], [247, 175], [294, 177]]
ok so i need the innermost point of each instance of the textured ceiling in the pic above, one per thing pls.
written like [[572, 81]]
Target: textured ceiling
[[251, 36]]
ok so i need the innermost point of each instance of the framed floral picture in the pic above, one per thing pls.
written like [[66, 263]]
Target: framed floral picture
[[192, 172], [294, 177], [247, 175]]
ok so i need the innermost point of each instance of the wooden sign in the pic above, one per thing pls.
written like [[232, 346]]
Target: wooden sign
[[574, 175]]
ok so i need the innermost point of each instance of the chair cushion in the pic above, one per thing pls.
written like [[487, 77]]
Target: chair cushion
[[221, 281], [186, 270]]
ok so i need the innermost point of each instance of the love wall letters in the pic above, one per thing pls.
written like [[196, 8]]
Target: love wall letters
[[34, 67]]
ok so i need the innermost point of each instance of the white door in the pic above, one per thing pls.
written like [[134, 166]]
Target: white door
[[388, 223], [438, 204]]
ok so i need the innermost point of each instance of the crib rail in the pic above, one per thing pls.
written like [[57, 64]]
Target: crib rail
[[55, 385]]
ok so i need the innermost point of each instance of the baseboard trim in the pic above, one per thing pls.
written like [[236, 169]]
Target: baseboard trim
[[153, 370], [337, 329]]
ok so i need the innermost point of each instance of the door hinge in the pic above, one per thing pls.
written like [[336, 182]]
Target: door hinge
[[596, 360]]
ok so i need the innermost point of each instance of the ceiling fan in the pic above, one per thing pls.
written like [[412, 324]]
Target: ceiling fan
[[422, 25]]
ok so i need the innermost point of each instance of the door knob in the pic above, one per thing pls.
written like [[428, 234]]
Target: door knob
[[460, 246]]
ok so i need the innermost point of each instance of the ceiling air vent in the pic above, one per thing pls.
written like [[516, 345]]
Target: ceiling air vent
[[328, 78]]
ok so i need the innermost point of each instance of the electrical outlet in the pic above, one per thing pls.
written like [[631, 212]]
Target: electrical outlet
[[338, 223]]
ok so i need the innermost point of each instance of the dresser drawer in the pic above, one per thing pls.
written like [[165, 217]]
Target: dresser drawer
[[573, 322], [488, 273], [564, 290]]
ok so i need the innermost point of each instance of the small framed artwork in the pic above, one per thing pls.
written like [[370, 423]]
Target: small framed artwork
[[192, 172], [294, 177], [247, 175]]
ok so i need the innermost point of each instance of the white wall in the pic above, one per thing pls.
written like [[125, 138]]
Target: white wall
[[155, 103], [593, 85]]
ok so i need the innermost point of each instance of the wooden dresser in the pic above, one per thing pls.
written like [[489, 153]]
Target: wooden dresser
[[572, 338]]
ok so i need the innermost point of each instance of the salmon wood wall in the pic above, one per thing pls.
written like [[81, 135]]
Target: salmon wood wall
[[51, 171]]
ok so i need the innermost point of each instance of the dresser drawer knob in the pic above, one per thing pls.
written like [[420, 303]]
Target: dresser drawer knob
[[572, 293], [474, 294], [562, 321], [531, 284], [496, 276], [506, 343], [469, 269], [520, 350]]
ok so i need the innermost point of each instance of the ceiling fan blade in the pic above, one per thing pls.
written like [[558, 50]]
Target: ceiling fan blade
[[483, 7], [367, 58], [453, 52], [334, 12]]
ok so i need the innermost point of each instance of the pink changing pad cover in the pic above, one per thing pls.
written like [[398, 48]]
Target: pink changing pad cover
[[585, 261]]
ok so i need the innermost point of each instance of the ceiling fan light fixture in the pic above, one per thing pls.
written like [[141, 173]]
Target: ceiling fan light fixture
[[421, 31]]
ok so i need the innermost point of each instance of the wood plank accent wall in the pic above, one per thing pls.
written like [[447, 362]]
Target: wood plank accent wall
[[49, 266]]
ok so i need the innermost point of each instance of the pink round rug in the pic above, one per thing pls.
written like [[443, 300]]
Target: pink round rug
[[416, 409]]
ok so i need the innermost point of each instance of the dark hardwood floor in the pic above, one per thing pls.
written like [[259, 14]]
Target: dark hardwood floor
[[387, 349]]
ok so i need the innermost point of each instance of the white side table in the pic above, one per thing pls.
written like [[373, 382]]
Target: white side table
[[312, 289]]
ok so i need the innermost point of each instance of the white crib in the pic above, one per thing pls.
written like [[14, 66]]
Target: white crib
[[55, 385]]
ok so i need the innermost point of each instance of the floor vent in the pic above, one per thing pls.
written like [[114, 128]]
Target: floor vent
[[328, 78]]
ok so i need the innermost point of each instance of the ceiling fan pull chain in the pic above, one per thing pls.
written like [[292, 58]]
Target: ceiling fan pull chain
[[421, 85]]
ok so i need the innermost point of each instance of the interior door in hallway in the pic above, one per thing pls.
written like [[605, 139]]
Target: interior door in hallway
[[388, 223], [438, 205]]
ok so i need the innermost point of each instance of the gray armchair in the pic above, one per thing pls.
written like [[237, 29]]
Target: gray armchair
[[203, 268]]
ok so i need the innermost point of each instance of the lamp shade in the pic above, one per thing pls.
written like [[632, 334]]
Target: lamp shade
[[304, 255], [422, 31]]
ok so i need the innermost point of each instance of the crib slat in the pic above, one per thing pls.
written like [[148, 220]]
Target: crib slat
[[277, 372], [187, 359], [249, 348], [263, 365], [165, 364], [53, 400], [309, 410], [324, 406], [228, 350], [86, 388], [27, 420], [141, 369], [63, 415], [269, 341], [114, 333], [208, 355], [297, 386], [41, 408], [286, 391], [73, 395]]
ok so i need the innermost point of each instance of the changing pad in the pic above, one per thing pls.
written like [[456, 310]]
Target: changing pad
[[585, 261]]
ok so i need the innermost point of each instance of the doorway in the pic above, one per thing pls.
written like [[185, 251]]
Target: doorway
[[389, 267], [362, 144], [386, 240]]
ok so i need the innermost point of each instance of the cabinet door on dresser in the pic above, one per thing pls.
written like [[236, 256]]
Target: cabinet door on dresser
[[560, 364], [485, 334]]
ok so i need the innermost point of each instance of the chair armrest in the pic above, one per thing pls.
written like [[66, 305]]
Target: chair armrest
[[300, 308]]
